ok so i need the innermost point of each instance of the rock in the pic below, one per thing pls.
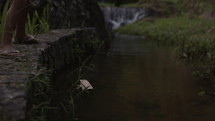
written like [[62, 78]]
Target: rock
[[75, 13]]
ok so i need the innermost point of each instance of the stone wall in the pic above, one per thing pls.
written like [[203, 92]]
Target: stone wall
[[56, 49], [65, 50]]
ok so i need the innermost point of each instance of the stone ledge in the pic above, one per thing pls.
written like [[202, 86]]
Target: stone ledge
[[55, 50]]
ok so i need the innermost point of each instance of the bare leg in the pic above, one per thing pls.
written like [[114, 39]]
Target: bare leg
[[21, 21], [15, 20]]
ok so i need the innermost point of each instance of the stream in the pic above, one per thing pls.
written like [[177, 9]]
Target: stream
[[141, 81]]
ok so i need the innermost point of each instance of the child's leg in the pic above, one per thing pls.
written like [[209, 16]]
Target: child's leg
[[15, 18], [21, 19]]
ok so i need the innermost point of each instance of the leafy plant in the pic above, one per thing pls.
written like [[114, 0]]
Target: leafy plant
[[37, 24], [39, 89], [2, 17]]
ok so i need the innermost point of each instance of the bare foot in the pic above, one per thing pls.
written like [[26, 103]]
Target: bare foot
[[28, 39], [4, 47], [8, 50]]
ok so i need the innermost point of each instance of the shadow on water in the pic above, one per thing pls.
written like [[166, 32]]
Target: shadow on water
[[139, 81]]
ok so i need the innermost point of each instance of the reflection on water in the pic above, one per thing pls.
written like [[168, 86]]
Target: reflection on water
[[139, 81]]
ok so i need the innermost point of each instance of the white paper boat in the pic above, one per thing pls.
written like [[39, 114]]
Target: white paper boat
[[84, 84]]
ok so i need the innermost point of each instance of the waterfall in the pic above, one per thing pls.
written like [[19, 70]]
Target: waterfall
[[116, 17]]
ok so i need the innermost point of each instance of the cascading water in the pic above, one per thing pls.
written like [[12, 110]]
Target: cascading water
[[116, 17]]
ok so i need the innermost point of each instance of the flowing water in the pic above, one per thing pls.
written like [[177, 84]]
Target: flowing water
[[140, 81], [118, 16]]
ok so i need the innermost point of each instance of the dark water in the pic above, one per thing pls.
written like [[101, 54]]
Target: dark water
[[139, 81]]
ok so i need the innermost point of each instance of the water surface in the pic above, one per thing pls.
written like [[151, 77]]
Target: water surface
[[140, 81]]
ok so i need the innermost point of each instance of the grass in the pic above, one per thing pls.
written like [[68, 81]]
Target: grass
[[189, 34], [2, 18], [38, 24], [39, 90]]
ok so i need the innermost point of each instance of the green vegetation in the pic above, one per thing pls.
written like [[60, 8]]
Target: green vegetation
[[2, 18], [44, 98], [191, 35], [39, 90], [37, 24]]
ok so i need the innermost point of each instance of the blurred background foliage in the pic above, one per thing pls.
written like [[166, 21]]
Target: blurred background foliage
[[167, 6]]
